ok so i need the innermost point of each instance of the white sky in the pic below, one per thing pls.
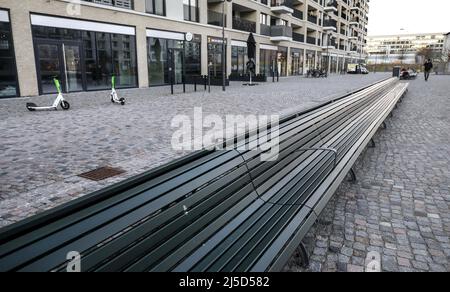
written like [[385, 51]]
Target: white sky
[[414, 16]]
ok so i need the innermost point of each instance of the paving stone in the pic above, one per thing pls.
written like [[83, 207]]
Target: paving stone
[[403, 184]]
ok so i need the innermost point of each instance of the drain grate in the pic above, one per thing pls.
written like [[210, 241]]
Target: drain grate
[[102, 173]]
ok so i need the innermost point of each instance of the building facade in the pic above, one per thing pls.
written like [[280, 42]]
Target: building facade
[[403, 49], [155, 42]]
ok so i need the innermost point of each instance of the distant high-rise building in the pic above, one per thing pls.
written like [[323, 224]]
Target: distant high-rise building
[[154, 42]]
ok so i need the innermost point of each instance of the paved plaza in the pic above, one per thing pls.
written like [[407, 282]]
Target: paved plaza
[[43, 152], [400, 205]]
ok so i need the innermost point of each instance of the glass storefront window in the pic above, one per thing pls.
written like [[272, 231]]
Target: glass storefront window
[[193, 59], [267, 61], [215, 58], [157, 61], [297, 62], [8, 72], [310, 60], [91, 59], [123, 49], [183, 57], [282, 61], [239, 60]]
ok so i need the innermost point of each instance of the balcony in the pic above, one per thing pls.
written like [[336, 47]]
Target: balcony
[[312, 19], [216, 18], [311, 40], [244, 25], [330, 25], [298, 14], [280, 33], [281, 6], [298, 37], [331, 6], [127, 4], [265, 29]]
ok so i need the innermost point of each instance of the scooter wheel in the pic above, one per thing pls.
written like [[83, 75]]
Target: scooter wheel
[[65, 105], [122, 101], [31, 107]]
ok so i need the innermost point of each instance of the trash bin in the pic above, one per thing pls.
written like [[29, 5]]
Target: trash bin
[[396, 71]]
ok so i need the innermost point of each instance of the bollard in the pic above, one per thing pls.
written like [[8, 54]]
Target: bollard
[[195, 83], [184, 84], [209, 83]]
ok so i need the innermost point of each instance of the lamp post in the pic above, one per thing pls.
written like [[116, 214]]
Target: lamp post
[[224, 60]]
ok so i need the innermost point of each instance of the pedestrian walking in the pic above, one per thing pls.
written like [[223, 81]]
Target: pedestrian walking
[[428, 66]]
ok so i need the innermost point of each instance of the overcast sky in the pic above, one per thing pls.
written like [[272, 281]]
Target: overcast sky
[[414, 16]]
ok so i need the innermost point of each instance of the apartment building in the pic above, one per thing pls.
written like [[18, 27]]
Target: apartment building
[[405, 49], [153, 42]]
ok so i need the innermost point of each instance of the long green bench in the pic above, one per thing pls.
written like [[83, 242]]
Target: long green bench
[[212, 210]]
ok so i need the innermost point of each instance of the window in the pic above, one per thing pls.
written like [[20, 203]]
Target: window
[[103, 54], [264, 19], [8, 73], [238, 60], [157, 7], [191, 10]]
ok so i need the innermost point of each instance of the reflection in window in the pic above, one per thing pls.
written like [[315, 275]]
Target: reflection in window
[[238, 60], [157, 7], [191, 10], [8, 73], [157, 64]]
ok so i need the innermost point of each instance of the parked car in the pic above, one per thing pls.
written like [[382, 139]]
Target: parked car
[[357, 69], [407, 74]]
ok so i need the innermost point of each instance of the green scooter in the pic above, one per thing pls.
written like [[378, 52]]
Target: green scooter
[[114, 97], [59, 101]]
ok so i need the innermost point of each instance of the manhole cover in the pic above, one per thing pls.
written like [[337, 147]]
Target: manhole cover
[[102, 173]]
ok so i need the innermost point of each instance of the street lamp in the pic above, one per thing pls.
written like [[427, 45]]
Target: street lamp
[[224, 60]]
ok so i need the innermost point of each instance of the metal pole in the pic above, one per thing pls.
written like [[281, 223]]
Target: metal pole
[[223, 48], [328, 54]]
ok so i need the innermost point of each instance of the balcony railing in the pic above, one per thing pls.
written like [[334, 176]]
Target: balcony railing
[[127, 4], [330, 23], [311, 40], [298, 37], [312, 19], [216, 18], [298, 14], [244, 25], [265, 29], [281, 31], [275, 3]]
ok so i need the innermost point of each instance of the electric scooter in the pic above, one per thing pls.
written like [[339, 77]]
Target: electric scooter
[[59, 101], [114, 97]]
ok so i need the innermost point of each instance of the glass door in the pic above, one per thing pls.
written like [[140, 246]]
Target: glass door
[[72, 68], [49, 66], [60, 60], [178, 65]]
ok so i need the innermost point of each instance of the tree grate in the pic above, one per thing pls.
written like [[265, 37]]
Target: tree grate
[[102, 173]]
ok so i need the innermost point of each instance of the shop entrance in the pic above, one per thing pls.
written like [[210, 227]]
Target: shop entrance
[[62, 60]]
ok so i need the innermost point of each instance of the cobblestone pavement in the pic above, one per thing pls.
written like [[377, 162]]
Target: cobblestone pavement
[[43, 152], [400, 205]]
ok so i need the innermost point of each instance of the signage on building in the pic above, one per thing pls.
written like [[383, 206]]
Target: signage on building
[[214, 40], [189, 37]]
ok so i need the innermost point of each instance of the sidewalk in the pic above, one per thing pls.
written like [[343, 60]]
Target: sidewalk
[[400, 205], [43, 152]]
